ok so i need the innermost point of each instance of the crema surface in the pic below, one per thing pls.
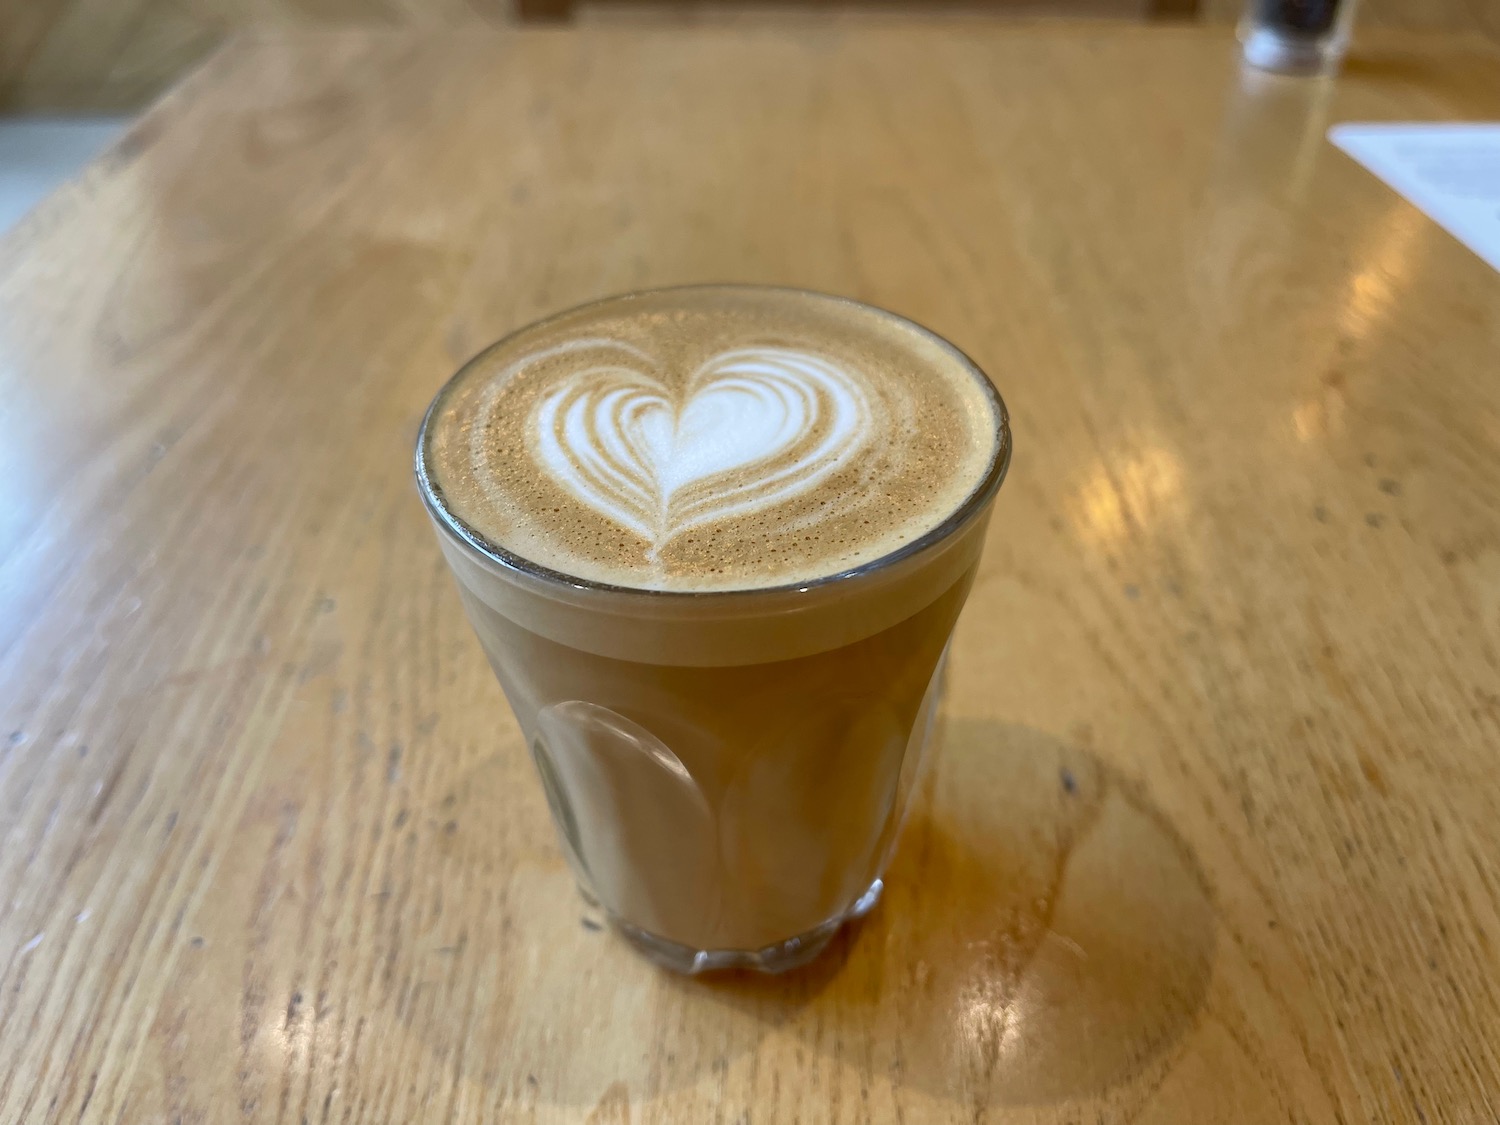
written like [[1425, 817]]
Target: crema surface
[[711, 438]]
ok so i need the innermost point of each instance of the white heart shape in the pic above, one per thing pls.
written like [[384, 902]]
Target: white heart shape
[[756, 427]]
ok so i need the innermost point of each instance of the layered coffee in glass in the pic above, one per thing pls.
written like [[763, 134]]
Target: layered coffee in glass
[[714, 541]]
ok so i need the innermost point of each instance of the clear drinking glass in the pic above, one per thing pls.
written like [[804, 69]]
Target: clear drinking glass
[[1296, 36], [727, 770]]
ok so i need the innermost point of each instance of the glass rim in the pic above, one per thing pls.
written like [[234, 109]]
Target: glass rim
[[510, 562]]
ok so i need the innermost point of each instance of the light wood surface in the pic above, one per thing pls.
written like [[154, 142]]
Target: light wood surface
[[119, 54], [1212, 830]]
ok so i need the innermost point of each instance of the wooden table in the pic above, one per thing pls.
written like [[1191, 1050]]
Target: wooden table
[[1213, 832]]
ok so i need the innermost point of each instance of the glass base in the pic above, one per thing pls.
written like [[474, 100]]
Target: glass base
[[779, 958]]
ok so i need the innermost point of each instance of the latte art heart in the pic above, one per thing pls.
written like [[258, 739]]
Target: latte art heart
[[752, 427]]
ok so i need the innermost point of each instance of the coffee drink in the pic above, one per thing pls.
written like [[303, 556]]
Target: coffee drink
[[714, 541]]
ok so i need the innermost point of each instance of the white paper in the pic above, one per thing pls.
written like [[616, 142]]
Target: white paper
[[1451, 172]]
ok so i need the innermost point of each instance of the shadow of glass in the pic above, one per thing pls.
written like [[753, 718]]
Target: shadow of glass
[[1060, 934], [1046, 936]]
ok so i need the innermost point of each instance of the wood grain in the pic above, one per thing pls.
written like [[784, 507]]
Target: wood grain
[[96, 55], [1210, 834]]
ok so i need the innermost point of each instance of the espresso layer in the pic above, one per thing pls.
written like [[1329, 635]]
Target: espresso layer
[[711, 438]]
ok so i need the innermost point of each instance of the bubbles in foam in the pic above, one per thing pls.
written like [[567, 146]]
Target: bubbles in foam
[[711, 438]]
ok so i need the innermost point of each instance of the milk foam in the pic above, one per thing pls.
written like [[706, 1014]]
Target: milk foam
[[754, 427], [711, 438]]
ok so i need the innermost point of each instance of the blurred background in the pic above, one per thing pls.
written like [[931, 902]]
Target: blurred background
[[73, 73]]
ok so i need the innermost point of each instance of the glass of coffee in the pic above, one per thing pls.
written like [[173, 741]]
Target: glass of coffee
[[714, 541]]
